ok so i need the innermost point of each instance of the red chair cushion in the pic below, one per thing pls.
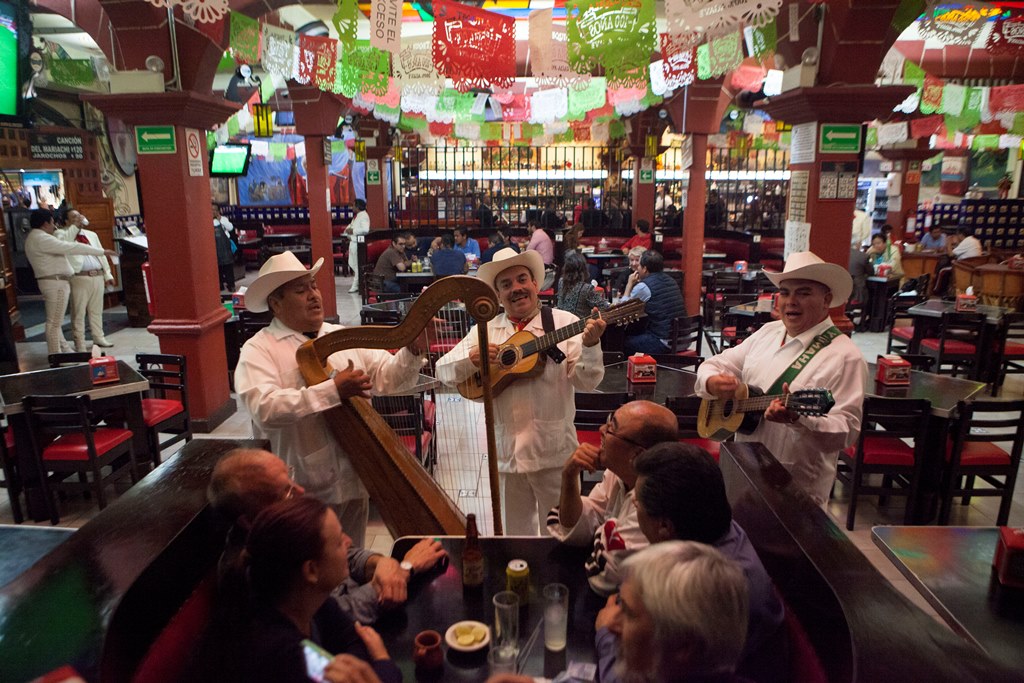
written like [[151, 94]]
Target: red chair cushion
[[169, 654], [592, 437], [73, 447], [9, 439], [546, 292], [1014, 349], [729, 331], [409, 441], [429, 414], [689, 353], [903, 332], [707, 444], [979, 453], [442, 347], [884, 450], [156, 410], [952, 346]]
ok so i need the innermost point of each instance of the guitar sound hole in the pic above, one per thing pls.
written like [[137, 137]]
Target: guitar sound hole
[[507, 358]]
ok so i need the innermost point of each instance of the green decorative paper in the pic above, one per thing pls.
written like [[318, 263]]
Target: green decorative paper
[[703, 62], [871, 140], [725, 53], [362, 69], [491, 131], [616, 129], [592, 96], [278, 151], [765, 39], [1018, 125], [417, 123], [566, 138], [985, 142], [211, 140], [245, 39], [345, 21], [233, 126], [71, 72], [913, 74], [619, 35]]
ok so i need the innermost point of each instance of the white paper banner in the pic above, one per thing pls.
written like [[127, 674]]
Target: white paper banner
[[278, 55], [658, 85], [953, 97], [414, 69], [1010, 141], [549, 105], [892, 133]]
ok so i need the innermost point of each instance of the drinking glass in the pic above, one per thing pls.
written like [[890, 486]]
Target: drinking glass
[[556, 615], [506, 623], [501, 661]]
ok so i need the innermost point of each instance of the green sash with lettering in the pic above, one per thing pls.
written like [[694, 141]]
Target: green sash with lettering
[[820, 342]]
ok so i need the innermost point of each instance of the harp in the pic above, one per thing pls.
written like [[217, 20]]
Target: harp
[[409, 500]]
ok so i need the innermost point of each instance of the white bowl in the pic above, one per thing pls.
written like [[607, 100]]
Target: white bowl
[[450, 638]]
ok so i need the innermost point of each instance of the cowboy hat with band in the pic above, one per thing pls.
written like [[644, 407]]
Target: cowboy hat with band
[[508, 258], [805, 265], [278, 270]]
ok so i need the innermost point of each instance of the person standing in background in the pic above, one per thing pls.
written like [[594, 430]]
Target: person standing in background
[[91, 274], [360, 225], [48, 256]]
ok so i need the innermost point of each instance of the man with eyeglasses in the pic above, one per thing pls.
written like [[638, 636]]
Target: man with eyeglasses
[[245, 481], [607, 517]]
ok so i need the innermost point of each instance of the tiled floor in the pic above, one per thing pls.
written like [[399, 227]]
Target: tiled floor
[[462, 471]]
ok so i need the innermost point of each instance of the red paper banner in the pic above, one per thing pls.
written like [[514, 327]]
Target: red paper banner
[[679, 60], [581, 130], [1006, 98], [439, 130], [516, 110], [925, 127], [473, 47], [931, 95], [318, 57]]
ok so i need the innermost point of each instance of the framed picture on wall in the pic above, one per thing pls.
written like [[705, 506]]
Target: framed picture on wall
[[122, 144]]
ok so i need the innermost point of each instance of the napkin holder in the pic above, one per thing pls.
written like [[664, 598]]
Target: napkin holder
[[641, 368], [103, 369], [1009, 558], [966, 303], [892, 370]]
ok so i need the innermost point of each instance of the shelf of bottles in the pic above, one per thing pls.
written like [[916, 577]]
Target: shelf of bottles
[[946, 215], [873, 198], [996, 222], [442, 185]]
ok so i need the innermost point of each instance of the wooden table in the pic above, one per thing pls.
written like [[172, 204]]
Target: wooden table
[[671, 382], [124, 394], [927, 317], [24, 545], [952, 569], [879, 291], [917, 263], [437, 600], [1000, 285]]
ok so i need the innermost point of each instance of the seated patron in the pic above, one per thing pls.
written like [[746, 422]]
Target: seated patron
[[680, 496], [964, 244], [622, 279], [680, 617], [540, 242], [576, 294], [496, 242], [278, 595], [934, 239], [882, 252], [592, 217], [247, 481], [469, 247], [607, 517], [447, 260], [392, 262], [642, 238], [664, 301]]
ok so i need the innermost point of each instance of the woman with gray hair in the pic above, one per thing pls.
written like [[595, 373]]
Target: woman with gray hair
[[681, 616]]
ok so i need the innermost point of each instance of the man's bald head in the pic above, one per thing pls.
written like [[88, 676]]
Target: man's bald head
[[246, 480], [647, 422]]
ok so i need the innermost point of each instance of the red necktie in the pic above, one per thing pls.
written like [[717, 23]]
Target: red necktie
[[82, 238]]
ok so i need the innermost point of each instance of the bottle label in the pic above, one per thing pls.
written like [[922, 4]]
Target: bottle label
[[473, 573]]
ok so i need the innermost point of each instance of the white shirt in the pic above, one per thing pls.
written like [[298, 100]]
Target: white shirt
[[360, 225], [609, 523], [533, 417], [225, 225], [287, 412], [86, 263], [861, 229], [809, 449], [48, 254], [969, 247]]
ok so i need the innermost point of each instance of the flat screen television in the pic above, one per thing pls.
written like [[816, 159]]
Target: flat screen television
[[15, 44], [230, 160]]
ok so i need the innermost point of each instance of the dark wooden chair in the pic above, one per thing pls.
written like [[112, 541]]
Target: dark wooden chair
[[165, 408], [65, 441], [897, 319], [685, 408], [723, 291], [958, 344], [973, 453], [9, 468], [881, 449], [687, 335], [59, 360], [1009, 349]]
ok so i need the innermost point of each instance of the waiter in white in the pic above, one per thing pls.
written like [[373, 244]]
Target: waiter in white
[[48, 256], [91, 275], [360, 225]]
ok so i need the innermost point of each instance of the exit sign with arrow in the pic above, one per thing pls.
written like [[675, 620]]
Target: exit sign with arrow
[[839, 138], [155, 140]]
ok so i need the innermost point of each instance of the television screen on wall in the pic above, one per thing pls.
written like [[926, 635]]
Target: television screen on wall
[[230, 160], [15, 43]]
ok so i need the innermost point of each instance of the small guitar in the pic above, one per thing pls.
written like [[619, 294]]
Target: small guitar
[[720, 418], [522, 354]]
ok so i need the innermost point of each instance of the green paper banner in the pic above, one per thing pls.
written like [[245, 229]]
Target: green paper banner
[[593, 96], [913, 74], [566, 138], [703, 62], [1018, 124], [765, 39], [211, 140], [278, 151], [985, 142], [616, 129], [619, 35], [871, 140], [71, 72], [233, 126], [416, 123], [245, 39], [346, 20]]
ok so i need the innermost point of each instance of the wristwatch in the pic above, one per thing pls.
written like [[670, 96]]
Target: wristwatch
[[407, 566]]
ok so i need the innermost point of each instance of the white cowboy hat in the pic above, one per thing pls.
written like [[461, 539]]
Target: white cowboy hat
[[278, 270], [805, 265], [507, 258]]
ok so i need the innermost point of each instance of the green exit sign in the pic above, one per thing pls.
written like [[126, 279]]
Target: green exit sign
[[155, 140], [839, 138]]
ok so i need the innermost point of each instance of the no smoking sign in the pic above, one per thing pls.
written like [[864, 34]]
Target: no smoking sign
[[194, 152]]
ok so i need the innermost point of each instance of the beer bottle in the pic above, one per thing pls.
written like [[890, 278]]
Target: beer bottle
[[472, 556]]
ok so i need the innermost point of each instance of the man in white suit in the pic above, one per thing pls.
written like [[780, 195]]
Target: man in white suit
[[91, 274]]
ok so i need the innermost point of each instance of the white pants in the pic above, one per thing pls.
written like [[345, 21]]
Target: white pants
[[55, 295], [86, 299], [353, 515], [528, 496]]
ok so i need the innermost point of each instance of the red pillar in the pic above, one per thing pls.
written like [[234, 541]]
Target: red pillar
[[378, 136], [643, 193], [317, 160], [693, 224], [189, 317]]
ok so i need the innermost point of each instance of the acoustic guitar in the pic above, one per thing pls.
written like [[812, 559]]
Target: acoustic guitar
[[523, 354], [720, 418]]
